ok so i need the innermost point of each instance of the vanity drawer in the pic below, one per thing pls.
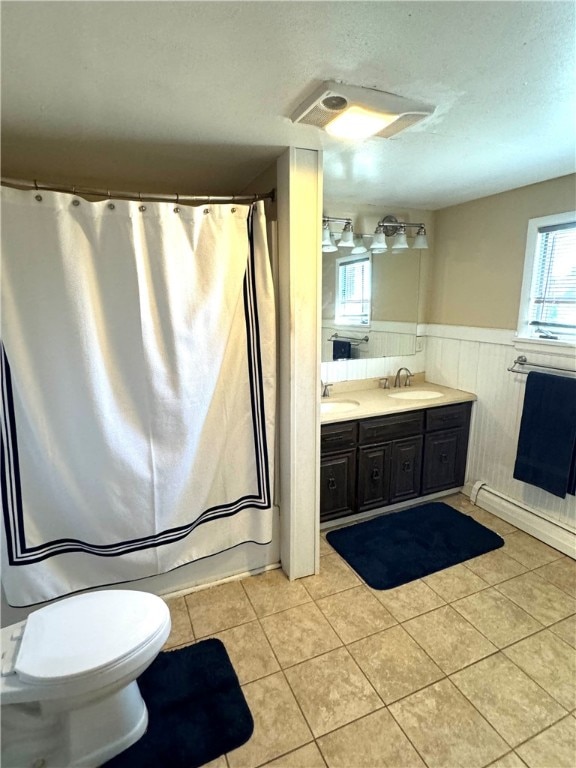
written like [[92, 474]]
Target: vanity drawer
[[387, 428], [447, 416], [335, 437]]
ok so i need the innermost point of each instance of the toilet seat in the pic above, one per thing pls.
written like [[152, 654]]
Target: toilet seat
[[86, 634]]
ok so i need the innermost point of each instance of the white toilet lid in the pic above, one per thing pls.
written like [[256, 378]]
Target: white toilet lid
[[85, 633]]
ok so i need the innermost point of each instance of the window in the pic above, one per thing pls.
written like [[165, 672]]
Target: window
[[353, 290], [548, 304]]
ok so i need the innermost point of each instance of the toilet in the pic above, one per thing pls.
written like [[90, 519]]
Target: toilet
[[68, 689]]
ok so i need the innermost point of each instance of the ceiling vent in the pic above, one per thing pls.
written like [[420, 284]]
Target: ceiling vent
[[387, 113]]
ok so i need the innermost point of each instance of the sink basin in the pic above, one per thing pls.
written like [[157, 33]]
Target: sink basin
[[338, 406], [415, 394]]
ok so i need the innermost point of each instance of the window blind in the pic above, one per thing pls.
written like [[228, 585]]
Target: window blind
[[553, 300], [354, 291]]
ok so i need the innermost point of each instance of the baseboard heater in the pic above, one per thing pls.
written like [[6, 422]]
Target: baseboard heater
[[556, 534]]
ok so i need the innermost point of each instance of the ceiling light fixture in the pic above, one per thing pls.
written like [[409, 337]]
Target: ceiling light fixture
[[354, 112]]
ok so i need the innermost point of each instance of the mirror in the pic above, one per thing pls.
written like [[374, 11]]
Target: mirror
[[391, 330]]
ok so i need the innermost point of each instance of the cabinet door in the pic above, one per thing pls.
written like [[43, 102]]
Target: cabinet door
[[337, 485], [374, 476], [444, 460], [406, 468]]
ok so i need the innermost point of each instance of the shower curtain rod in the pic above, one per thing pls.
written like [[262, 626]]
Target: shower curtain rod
[[138, 196]]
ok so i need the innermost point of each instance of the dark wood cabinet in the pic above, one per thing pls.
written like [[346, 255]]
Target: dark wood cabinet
[[338, 470], [445, 447], [337, 485], [383, 460], [373, 476], [406, 469]]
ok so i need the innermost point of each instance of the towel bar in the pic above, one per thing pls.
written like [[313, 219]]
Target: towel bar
[[354, 341], [521, 360]]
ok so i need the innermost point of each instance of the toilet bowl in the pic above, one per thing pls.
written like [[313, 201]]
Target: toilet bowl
[[68, 689]]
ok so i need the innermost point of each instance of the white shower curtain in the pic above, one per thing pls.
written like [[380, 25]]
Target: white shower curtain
[[138, 388]]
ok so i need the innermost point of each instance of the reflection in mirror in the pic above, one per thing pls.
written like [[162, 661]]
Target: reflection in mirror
[[393, 314]]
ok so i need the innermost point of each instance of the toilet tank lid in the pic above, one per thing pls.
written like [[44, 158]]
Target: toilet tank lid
[[86, 633]]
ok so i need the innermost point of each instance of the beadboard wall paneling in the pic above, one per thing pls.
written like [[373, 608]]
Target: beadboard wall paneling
[[480, 366]]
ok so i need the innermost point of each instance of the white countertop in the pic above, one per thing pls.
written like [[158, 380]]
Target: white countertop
[[376, 401]]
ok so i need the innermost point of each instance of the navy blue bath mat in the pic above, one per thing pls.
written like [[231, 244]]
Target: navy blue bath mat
[[196, 710], [403, 546]]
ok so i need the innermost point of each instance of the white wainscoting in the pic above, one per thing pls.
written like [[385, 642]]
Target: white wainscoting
[[476, 360]]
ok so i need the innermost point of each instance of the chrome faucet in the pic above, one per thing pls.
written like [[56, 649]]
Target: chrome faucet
[[398, 378], [325, 389]]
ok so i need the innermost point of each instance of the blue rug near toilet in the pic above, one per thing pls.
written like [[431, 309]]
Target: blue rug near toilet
[[196, 709], [394, 549]]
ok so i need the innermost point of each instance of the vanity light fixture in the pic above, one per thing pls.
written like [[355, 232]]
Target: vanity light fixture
[[397, 229], [388, 227], [420, 241], [359, 247], [347, 239], [379, 244], [328, 244], [400, 240]]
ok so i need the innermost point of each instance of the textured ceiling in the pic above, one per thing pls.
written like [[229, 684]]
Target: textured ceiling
[[196, 96]]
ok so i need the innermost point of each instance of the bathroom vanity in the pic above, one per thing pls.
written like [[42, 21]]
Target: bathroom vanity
[[382, 447]]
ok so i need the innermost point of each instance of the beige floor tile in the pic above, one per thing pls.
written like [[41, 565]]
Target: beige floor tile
[[181, 632], [511, 760], [499, 619], [460, 502], [454, 583], [355, 613], [528, 550], [449, 639], [334, 576], [496, 524], [395, 665], [554, 748], [446, 729], [374, 740], [409, 600], [307, 756], [220, 762], [272, 591], [562, 573], [332, 691], [495, 567], [566, 629], [538, 597], [551, 663], [511, 702], [299, 634], [249, 651], [325, 548], [221, 607], [279, 726]]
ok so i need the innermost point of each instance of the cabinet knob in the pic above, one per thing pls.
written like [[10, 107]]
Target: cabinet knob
[[331, 484], [406, 466], [375, 474], [444, 458]]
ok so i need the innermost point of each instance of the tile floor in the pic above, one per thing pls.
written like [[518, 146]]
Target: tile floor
[[473, 666]]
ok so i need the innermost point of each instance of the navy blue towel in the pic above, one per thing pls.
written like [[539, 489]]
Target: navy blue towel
[[341, 350], [546, 455]]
